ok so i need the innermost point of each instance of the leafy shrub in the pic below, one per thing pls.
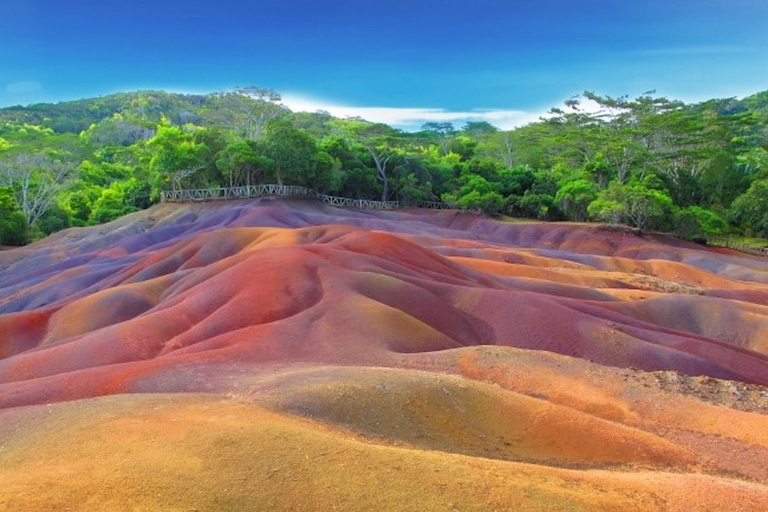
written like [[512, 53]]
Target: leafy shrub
[[13, 224], [694, 222]]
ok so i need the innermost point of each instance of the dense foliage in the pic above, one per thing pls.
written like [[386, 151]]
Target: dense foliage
[[696, 169]]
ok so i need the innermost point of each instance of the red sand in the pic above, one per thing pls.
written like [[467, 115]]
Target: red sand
[[603, 390]]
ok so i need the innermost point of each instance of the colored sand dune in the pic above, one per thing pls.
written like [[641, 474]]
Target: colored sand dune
[[289, 355]]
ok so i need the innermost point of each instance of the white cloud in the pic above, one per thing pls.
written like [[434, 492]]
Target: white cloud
[[412, 118], [24, 86]]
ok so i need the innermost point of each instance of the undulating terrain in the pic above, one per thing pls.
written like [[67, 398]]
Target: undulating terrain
[[287, 355]]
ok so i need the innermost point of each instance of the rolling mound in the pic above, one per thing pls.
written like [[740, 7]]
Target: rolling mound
[[286, 354]]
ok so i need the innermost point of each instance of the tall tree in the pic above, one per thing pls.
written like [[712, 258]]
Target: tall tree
[[35, 179], [175, 155], [750, 210], [294, 153], [444, 132], [478, 129], [381, 142], [574, 198], [13, 225], [242, 164], [246, 110]]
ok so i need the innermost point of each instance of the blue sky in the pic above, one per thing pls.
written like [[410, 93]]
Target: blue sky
[[506, 61]]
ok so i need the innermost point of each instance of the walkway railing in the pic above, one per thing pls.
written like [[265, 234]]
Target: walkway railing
[[366, 204], [244, 192], [249, 191], [730, 244]]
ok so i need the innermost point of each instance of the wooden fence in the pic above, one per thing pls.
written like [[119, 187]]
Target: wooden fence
[[210, 194], [249, 191], [730, 244]]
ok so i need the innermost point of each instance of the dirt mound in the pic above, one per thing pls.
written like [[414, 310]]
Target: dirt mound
[[451, 414], [201, 453], [310, 352]]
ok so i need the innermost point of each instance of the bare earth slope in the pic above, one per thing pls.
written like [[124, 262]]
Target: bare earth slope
[[288, 355]]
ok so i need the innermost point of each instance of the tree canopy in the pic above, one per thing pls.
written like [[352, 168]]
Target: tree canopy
[[649, 162]]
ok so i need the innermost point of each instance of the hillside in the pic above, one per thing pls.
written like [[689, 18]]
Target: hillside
[[78, 115], [286, 354]]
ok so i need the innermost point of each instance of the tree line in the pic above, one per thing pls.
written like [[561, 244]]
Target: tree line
[[699, 170]]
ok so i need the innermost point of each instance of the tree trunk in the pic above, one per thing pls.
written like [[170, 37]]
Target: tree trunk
[[381, 170], [384, 188]]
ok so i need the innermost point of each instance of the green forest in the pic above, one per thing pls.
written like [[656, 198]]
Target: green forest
[[696, 170]]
